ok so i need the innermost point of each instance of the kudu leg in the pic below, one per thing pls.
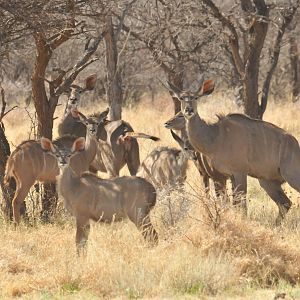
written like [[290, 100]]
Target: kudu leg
[[142, 221], [133, 158], [239, 182], [274, 190], [110, 166], [18, 200], [292, 178], [82, 234], [220, 188], [205, 180]]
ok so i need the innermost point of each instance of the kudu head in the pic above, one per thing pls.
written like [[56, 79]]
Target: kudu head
[[186, 147], [91, 123], [189, 99], [177, 122], [75, 92], [63, 155]]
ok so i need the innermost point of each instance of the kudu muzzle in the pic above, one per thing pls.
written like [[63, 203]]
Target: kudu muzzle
[[189, 111]]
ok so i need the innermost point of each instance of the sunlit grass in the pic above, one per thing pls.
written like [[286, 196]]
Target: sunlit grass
[[236, 259]]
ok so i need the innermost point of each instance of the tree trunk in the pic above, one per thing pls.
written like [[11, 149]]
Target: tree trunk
[[257, 35], [49, 201], [294, 57], [114, 79], [41, 103], [250, 88], [45, 112], [7, 190], [177, 80]]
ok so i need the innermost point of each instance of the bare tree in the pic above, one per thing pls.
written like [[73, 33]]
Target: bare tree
[[246, 38], [295, 66], [175, 39], [7, 190], [114, 79], [50, 27]]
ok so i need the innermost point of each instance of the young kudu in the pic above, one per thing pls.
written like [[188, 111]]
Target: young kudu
[[67, 126], [206, 171], [239, 146], [88, 197], [117, 144], [166, 166], [29, 163]]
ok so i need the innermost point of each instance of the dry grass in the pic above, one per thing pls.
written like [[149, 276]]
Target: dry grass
[[222, 256]]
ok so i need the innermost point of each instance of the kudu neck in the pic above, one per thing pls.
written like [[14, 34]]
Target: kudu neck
[[201, 135], [67, 179], [90, 146], [67, 111]]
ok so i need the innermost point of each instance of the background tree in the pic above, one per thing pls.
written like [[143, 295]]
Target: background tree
[[175, 40], [246, 38], [48, 37]]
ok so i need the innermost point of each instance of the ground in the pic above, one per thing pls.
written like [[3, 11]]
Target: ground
[[206, 250]]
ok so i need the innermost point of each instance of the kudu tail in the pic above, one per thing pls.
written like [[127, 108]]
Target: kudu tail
[[8, 171], [139, 135]]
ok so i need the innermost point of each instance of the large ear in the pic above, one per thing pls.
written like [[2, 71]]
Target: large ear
[[81, 116], [207, 87], [90, 82], [173, 89], [79, 144], [177, 139], [103, 115], [47, 145]]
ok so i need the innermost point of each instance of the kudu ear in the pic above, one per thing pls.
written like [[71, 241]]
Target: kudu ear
[[78, 145], [103, 115], [67, 91], [82, 118], [90, 82], [177, 139], [207, 88], [174, 90], [47, 145]]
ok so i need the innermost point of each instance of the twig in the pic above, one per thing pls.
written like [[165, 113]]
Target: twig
[[3, 112]]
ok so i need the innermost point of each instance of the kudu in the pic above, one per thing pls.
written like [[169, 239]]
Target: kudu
[[88, 197], [206, 171], [117, 145], [29, 163], [166, 166], [238, 145], [74, 98]]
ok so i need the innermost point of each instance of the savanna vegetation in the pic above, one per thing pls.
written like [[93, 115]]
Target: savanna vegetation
[[206, 248]]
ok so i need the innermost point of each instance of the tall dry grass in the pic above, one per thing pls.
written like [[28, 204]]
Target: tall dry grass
[[205, 249]]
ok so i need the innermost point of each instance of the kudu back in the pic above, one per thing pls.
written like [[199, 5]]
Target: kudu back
[[88, 197], [206, 171], [117, 145], [29, 163], [238, 145], [167, 166]]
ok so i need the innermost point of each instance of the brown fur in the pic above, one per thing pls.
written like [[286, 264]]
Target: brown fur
[[202, 164], [239, 146], [88, 197], [117, 145], [164, 166], [29, 163]]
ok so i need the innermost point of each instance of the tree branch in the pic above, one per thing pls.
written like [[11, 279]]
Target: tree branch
[[287, 19], [233, 37]]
